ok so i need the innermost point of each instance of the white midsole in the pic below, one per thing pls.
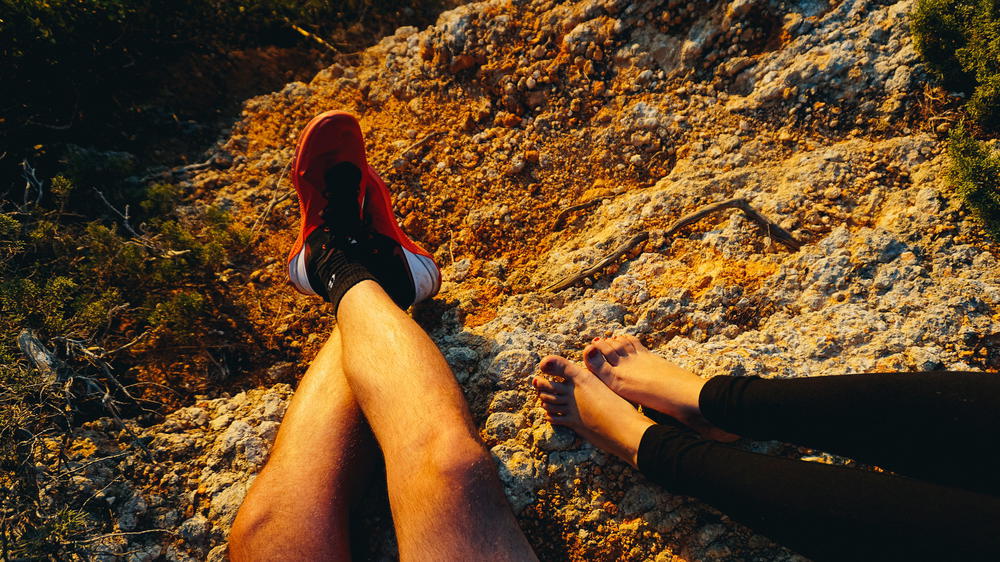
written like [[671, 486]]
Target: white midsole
[[423, 273], [297, 272]]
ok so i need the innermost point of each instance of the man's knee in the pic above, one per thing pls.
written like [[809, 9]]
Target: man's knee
[[250, 528], [279, 527], [459, 460]]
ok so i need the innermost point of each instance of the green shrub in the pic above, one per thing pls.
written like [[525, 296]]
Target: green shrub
[[180, 315], [161, 198], [975, 173], [57, 530], [71, 273], [960, 40], [10, 244]]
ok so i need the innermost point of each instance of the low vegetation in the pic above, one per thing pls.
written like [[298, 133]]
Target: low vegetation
[[960, 41], [101, 290], [975, 174]]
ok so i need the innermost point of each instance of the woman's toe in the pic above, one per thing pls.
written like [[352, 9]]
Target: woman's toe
[[596, 361], [563, 368], [555, 409], [553, 398], [622, 346], [608, 349], [553, 365], [625, 345], [543, 384], [634, 341]]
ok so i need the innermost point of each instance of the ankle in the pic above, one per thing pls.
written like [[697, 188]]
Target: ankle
[[692, 394], [342, 282], [677, 396], [634, 438]]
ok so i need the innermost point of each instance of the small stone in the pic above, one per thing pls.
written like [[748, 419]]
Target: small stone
[[516, 166], [194, 530], [130, 512], [501, 426], [508, 119], [550, 438]]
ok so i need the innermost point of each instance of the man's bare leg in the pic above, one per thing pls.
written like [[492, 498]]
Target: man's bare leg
[[446, 499], [298, 506]]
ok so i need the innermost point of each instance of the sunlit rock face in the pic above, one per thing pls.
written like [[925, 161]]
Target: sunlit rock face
[[490, 123]]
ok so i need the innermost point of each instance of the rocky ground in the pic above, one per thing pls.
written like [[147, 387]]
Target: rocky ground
[[491, 123]]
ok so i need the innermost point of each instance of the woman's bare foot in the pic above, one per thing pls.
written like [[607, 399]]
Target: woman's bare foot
[[587, 406], [639, 375]]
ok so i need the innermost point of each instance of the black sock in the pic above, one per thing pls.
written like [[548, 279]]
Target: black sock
[[335, 273]]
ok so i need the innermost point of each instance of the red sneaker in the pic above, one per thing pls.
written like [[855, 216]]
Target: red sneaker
[[343, 202]]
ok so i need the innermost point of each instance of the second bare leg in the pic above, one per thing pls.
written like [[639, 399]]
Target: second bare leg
[[297, 508], [446, 498]]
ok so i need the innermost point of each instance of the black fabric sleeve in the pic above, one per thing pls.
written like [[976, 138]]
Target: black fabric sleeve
[[938, 426], [825, 512]]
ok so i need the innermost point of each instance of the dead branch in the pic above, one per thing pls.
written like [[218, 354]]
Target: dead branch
[[93, 462], [31, 121], [420, 143], [198, 166], [134, 341], [109, 403], [51, 367], [604, 262], [120, 534], [31, 181], [275, 199], [309, 35], [771, 230], [561, 217], [178, 171], [139, 239], [122, 216]]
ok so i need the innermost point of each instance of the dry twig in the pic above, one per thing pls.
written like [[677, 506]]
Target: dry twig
[[275, 200], [124, 218], [563, 214], [310, 35], [420, 143], [31, 181], [120, 534], [51, 367], [56, 371], [178, 171], [770, 229]]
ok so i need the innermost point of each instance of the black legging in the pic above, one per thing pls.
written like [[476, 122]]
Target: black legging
[[941, 427]]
